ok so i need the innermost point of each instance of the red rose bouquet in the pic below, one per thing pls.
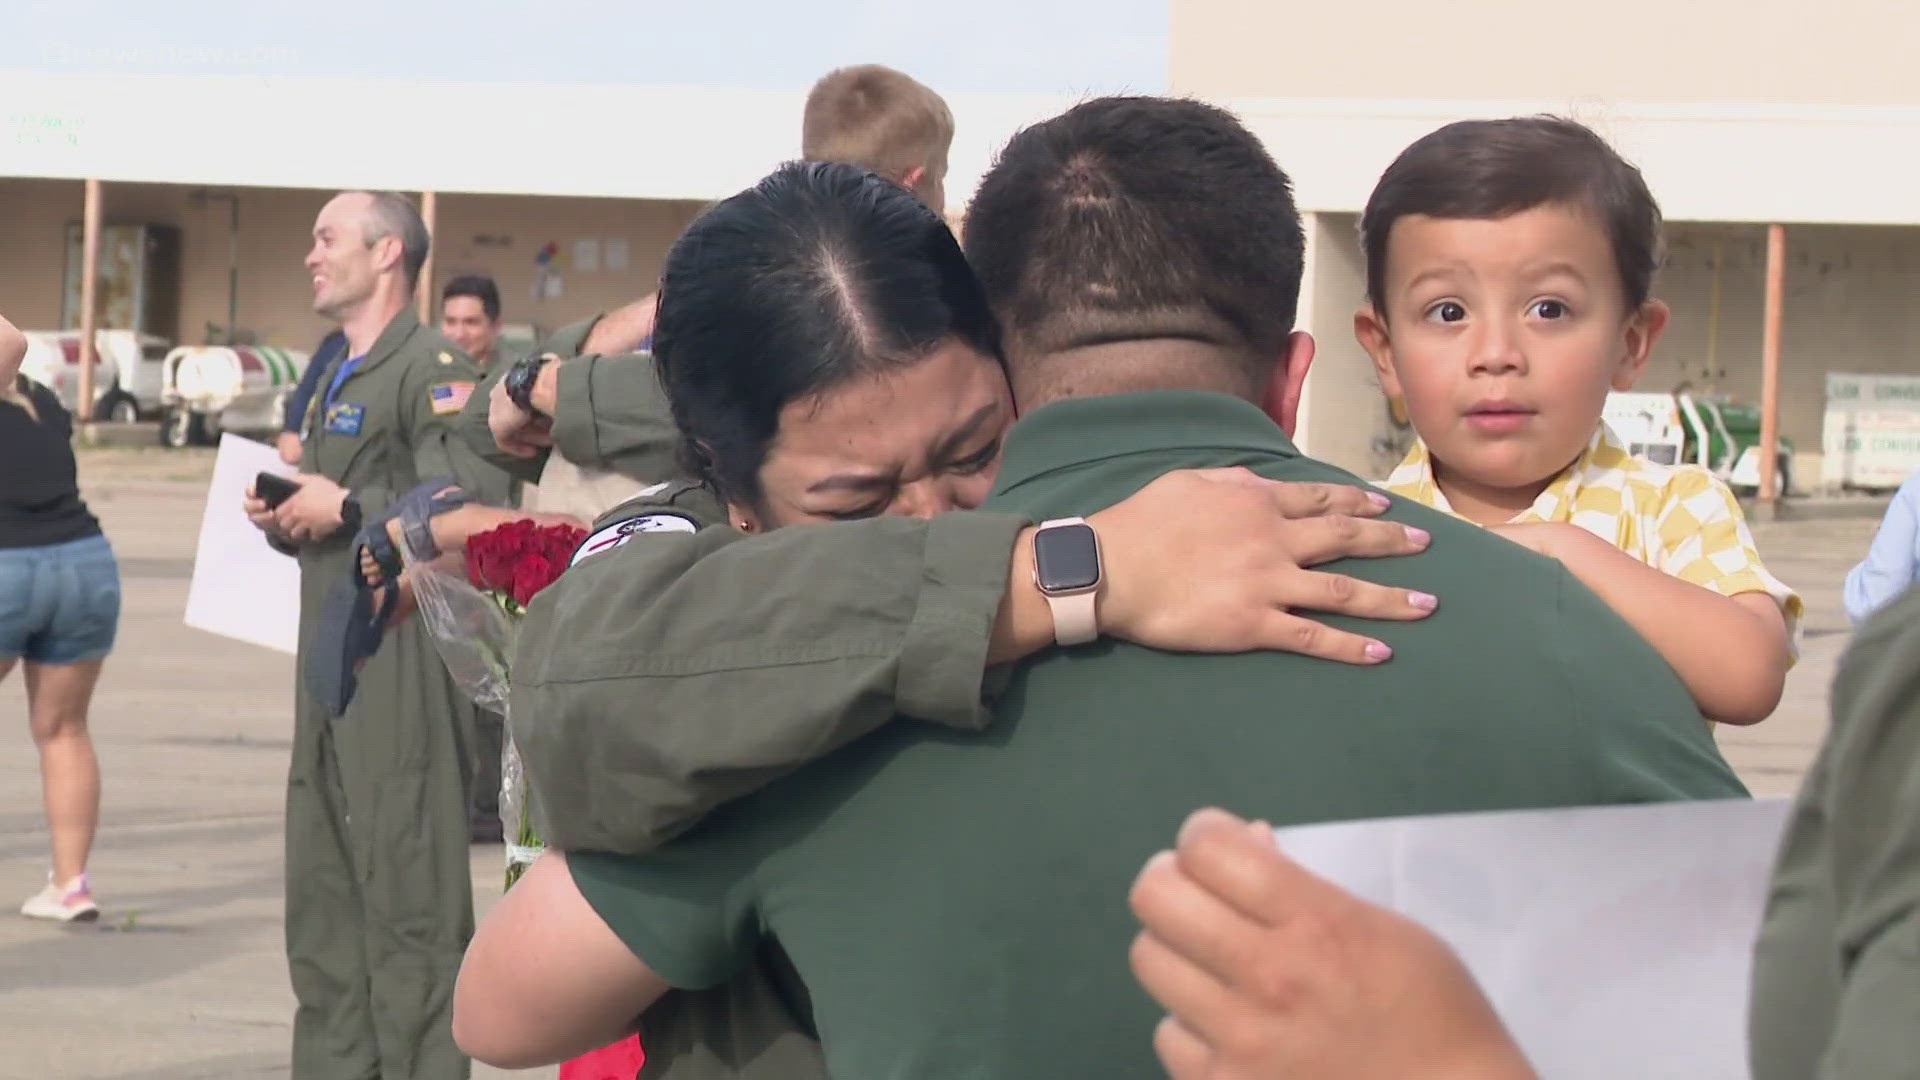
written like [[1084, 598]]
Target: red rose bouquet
[[518, 559], [473, 622]]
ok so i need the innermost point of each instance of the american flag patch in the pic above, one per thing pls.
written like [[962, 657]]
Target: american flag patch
[[450, 397]]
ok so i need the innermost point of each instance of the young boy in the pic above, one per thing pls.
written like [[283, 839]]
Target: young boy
[[1509, 270]]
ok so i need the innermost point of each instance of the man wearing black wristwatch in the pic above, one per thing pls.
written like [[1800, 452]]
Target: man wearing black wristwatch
[[602, 411], [378, 894]]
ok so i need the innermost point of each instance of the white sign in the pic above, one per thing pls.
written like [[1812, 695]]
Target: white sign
[[1871, 435], [1614, 941], [242, 588]]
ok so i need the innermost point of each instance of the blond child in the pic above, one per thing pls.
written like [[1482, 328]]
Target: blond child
[[1509, 272]]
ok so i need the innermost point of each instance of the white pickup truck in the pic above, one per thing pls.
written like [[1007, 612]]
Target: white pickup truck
[[127, 381]]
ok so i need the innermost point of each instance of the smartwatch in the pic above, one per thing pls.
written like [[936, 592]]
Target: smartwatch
[[1066, 568], [521, 377]]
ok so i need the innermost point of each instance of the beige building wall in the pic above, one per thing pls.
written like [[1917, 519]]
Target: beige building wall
[[500, 235], [1346, 419], [1850, 307], [274, 294], [33, 217], [1845, 52], [497, 235]]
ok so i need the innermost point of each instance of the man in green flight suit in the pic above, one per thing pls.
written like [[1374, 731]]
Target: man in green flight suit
[[379, 902], [599, 410], [955, 906]]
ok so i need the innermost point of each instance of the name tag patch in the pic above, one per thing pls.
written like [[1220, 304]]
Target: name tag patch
[[621, 531], [345, 418], [450, 397]]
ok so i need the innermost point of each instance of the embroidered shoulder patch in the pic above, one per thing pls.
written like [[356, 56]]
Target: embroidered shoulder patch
[[618, 533], [449, 397]]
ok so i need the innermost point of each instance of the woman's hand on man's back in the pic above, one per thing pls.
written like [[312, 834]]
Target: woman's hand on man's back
[[1218, 560]]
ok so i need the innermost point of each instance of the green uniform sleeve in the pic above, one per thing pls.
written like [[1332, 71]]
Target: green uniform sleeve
[[1872, 849], [612, 414], [472, 423], [437, 448], [569, 339], [678, 670], [471, 428]]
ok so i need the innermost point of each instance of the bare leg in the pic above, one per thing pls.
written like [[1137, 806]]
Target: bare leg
[[58, 696]]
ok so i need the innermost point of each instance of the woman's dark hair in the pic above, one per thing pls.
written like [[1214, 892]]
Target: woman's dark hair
[[818, 274], [1488, 169]]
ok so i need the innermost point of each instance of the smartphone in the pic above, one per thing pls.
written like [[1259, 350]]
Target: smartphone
[[274, 488]]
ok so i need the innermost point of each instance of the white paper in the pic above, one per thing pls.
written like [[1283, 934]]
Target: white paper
[[614, 253], [242, 588], [586, 255], [1615, 941]]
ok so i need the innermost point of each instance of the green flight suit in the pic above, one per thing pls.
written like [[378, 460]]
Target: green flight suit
[[502, 487], [379, 904], [720, 623], [956, 903], [1836, 975], [611, 414]]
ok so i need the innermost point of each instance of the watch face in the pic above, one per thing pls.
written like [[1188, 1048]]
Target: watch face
[[1066, 558]]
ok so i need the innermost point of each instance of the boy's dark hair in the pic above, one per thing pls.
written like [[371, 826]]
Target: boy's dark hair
[[1488, 169], [1138, 217], [478, 286]]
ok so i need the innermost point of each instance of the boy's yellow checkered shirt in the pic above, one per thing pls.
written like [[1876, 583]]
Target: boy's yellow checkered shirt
[[1680, 519]]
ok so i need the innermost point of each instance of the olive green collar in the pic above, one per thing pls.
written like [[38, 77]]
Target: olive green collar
[[399, 328], [1077, 431]]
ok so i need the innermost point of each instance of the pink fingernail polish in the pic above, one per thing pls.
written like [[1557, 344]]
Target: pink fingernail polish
[[1423, 601], [1378, 651], [1418, 536], [1379, 500]]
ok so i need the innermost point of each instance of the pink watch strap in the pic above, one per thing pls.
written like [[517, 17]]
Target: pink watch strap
[[1076, 619]]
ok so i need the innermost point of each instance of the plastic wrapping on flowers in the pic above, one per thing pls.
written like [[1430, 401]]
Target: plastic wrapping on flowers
[[474, 632]]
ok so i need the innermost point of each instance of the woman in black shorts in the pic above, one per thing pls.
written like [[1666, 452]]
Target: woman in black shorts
[[59, 609]]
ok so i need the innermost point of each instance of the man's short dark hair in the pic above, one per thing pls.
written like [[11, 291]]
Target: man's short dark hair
[[1489, 169], [478, 286], [1138, 217]]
